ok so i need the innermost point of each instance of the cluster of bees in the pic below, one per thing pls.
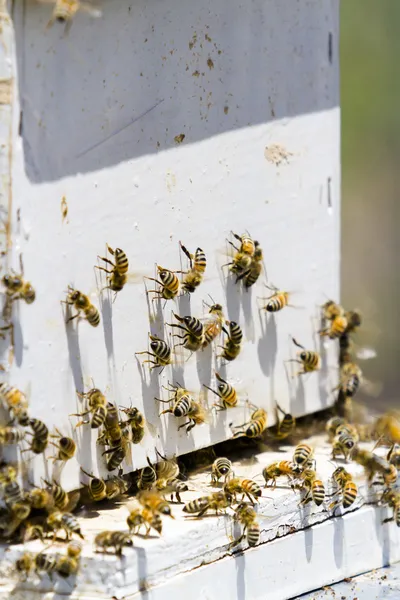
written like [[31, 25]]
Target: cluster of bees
[[43, 512]]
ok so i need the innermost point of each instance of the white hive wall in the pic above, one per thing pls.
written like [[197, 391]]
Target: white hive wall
[[99, 110]]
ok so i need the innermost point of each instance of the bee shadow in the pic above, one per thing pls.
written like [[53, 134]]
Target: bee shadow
[[338, 540], [150, 390], [232, 295], [17, 334], [204, 364], [267, 348], [156, 317], [143, 573], [106, 314], [184, 305], [246, 298], [323, 375], [74, 352]]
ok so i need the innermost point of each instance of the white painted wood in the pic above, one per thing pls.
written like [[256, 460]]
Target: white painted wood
[[129, 184], [192, 556]]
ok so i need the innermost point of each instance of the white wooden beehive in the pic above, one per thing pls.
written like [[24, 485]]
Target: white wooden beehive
[[98, 117]]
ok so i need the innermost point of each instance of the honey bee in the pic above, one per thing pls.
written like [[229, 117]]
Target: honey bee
[[113, 539], [154, 502], [65, 10], [40, 439], [344, 443], [254, 427], [393, 456], [117, 452], [346, 486], [143, 516], [286, 426], [41, 499], [226, 392], [169, 283], [335, 314], [392, 499], [161, 353], [113, 432], [332, 425], [217, 501], [66, 447], [46, 562], [136, 422], [12, 493], [232, 346], [66, 521], [8, 473], [240, 485], [97, 487], [83, 304], [373, 464], [24, 565], [11, 435], [194, 276], [184, 405], [315, 490], [221, 467], [12, 518], [13, 398], [302, 455], [213, 325], [280, 469], [69, 565], [277, 301], [251, 275], [64, 501], [354, 320], [118, 275], [350, 378], [247, 517], [147, 477], [97, 404], [193, 337], [241, 260], [17, 288], [388, 426], [311, 361], [171, 486]]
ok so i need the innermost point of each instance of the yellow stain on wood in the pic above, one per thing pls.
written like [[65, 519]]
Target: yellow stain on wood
[[6, 88]]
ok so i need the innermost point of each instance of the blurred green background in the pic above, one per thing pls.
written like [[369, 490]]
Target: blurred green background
[[370, 102]]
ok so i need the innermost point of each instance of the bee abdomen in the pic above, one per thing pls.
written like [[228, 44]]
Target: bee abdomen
[[252, 487], [349, 494], [318, 492], [253, 534], [200, 261], [197, 505], [235, 333], [92, 315], [99, 416], [121, 261]]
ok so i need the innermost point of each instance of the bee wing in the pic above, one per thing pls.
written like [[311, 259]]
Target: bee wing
[[93, 11], [73, 499], [372, 388], [366, 353]]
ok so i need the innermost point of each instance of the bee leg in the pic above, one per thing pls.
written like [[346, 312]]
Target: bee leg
[[202, 512], [106, 260], [220, 406], [388, 520], [232, 244]]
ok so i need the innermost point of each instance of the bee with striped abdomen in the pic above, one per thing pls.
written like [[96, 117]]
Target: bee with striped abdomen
[[11, 435], [112, 434], [66, 447], [184, 405], [147, 477], [154, 502], [136, 422], [255, 427], [118, 451], [337, 321], [161, 353], [16, 402], [24, 565], [64, 501], [118, 275], [194, 276], [232, 346], [303, 455], [40, 499], [217, 501], [344, 442], [251, 275], [392, 499], [66, 521], [169, 283], [241, 485], [16, 286], [193, 336], [241, 260], [213, 324], [113, 539], [83, 304], [247, 517], [374, 464], [277, 301], [221, 467], [347, 489], [40, 439], [280, 469], [226, 392], [315, 490], [310, 360], [140, 516], [285, 426], [97, 404], [350, 378], [332, 425], [46, 563], [68, 564]]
